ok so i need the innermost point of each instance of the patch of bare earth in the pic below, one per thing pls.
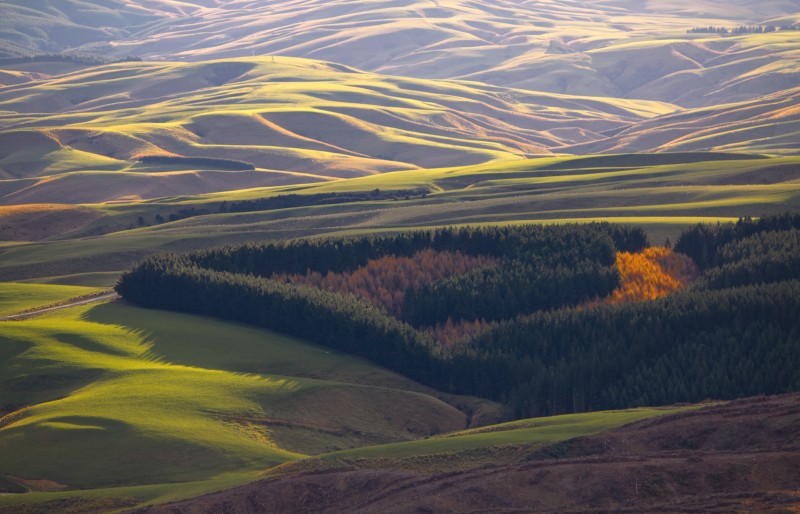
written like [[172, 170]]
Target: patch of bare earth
[[41, 485], [741, 456]]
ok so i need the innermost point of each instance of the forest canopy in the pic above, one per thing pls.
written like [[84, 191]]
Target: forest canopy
[[547, 319]]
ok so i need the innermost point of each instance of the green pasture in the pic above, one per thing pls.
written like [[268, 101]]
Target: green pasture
[[120, 401], [16, 298], [102, 279]]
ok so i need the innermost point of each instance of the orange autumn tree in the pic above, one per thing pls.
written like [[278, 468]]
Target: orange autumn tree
[[384, 281], [653, 273]]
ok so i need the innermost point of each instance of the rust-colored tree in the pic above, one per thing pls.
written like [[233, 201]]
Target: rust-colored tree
[[385, 281], [451, 333]]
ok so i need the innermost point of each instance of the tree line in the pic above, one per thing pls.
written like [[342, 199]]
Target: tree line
[[741, 29], [295, 200], [343, 254], [85, 59], [281, 201]]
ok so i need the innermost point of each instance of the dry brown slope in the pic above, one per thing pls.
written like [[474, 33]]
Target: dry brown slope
[[740, 456]]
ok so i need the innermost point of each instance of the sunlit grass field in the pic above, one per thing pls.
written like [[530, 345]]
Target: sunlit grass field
[[16, 298], [109, 395]]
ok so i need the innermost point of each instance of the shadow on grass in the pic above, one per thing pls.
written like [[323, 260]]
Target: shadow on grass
[[182, 339]]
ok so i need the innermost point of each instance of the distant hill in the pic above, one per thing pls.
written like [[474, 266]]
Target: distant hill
[[767, 124], [301, 120], [625, 49]]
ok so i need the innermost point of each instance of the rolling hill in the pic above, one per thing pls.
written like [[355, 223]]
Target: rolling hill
[[141, 406], [110, 384], [595, 48], [294, 121], [767, 124], [278, 87], [662, 192], [115, 389]]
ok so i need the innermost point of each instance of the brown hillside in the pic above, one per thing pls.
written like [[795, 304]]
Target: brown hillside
[[741, 456]]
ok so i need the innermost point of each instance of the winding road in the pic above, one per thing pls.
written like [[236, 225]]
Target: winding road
[[72, 303]]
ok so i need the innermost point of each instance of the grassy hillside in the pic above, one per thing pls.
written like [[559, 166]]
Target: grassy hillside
[[695, 461], [56, 26], [126, 396], [768, 124], [16, 298], [138, 131], [492, 444], [131, 400]]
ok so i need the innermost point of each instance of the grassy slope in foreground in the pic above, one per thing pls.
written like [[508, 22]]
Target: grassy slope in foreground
[[125, 396]]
